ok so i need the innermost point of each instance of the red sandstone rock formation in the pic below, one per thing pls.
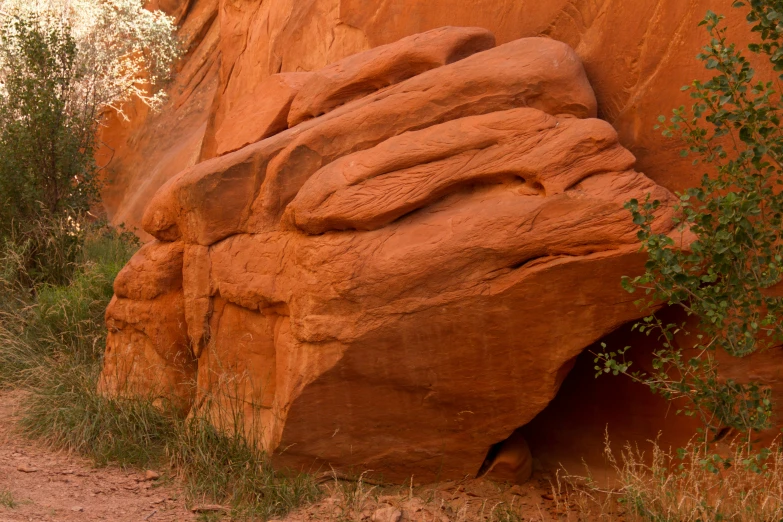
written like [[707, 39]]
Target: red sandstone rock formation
[[636, 53], [365, 73], [402, 281], [147, 349]]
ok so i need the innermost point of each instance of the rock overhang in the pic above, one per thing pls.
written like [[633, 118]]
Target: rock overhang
[[445, 244]]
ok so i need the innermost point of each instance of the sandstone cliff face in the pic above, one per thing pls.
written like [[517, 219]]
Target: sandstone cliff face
[[636, 55], [403, 269]]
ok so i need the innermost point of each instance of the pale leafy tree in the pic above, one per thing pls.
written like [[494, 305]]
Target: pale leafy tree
[[725, 279], [123, 51], [63, 65]]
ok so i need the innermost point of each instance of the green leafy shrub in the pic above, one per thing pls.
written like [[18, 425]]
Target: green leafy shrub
[[51, 322], [734, 217], [46, 148], [63, 64]]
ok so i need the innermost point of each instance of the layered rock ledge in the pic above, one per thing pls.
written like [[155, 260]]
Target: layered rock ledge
[[402, 267]]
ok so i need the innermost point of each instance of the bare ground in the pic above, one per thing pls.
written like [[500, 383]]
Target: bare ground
[[39, 484], [453, 501]]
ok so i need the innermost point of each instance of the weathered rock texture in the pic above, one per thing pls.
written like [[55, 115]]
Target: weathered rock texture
[[636, 54], [147, 349], [404, 276]]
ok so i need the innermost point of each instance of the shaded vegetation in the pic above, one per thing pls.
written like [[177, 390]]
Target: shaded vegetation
[[52, 339], [719, 267], [727, 253]]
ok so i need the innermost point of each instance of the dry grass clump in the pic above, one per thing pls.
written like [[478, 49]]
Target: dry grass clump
[[7, 499], [699, 483], [350, 500], [217, 455], [353, 497]]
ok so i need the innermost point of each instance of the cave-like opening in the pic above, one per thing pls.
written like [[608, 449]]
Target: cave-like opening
[[570, 432]]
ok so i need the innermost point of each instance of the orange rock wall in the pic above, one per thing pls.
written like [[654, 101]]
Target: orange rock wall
[[296, 235], [403, 276], [637, 55]]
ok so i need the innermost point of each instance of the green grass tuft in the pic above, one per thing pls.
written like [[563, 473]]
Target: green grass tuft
[[43, 325], [66, 412], [225, 467], [52, 338], [7, 499], [505, 513]]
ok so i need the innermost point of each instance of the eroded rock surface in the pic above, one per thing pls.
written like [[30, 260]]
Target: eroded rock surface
[[637, 55], [400, 282], [147, 351], [370, 71]]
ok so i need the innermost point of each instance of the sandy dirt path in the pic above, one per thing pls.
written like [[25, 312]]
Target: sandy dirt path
[[37, 484]]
